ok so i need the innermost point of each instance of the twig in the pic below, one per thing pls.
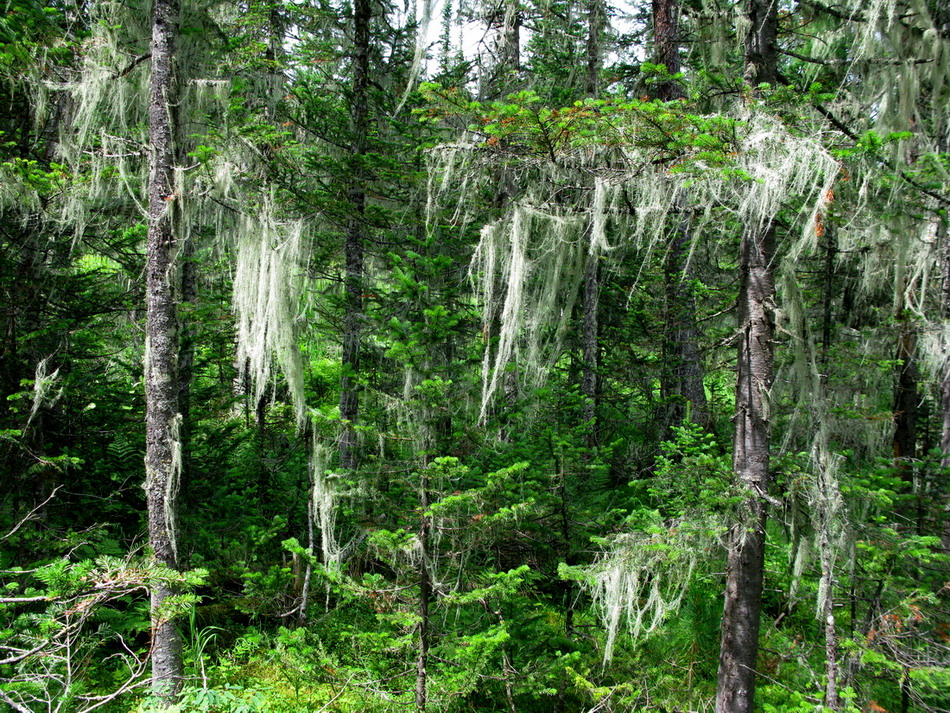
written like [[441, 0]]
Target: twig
[[32, 512], [13, 704], [132, 65], [342, 691]]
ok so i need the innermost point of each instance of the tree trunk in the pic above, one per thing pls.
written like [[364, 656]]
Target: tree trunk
[[744, 571], [750, 458], [591, 351], [353, 249], [666, 46], [905, 397], [595, 29], [162, 455], [827, 492], [683, 374], [683, 388], [425, 594], [591, 337], [944, 235], [509, 55]]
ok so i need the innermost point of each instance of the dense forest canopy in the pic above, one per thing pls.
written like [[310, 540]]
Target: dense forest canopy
[[515, 355]]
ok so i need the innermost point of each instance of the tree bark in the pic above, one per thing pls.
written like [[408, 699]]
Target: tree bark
[[750, 458], [425, 594], [905, 397], [162, 417], [353, 248], [683, 388], [509, 55], [666, 46], [944, 235], [746, 555], [591, 350], [683, 373], [595, 29], [827, 492]]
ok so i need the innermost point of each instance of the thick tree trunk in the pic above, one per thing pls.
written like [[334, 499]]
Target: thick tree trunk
[[353, 249], [745, 566], [509, 55], [162, 418], [761, 43]]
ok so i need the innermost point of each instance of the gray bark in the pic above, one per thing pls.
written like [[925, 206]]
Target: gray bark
[[832, 699], [510, 50], [945, 380], [595, 11], [750, 462], [161, 368], [745, 565], [683, 373], [353, 248], [683, 388], [425, 594], [591, 350]]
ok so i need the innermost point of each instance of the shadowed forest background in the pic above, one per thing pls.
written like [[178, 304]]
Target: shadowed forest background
[[503, 355]]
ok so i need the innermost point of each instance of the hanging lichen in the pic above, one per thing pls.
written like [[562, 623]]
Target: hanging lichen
[[271, 258], [531, 259], [640, 579], [324, 498]]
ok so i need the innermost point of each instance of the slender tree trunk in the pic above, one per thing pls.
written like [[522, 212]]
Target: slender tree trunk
[[186, 358], [944, 235], [425, 594], [827, 320], [745, 566], [905, 396], [311, 539], [591, 337], [353, 249], [683, 387], [591, 349], [827, 492], [595, 30], [683, 374], [162, 463]]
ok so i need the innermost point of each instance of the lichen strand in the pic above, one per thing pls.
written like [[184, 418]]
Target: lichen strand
[[271, 259], [530, 260]]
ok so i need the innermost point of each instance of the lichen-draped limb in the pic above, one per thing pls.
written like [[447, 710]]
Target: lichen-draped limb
[[640, 578], [530, 260]]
